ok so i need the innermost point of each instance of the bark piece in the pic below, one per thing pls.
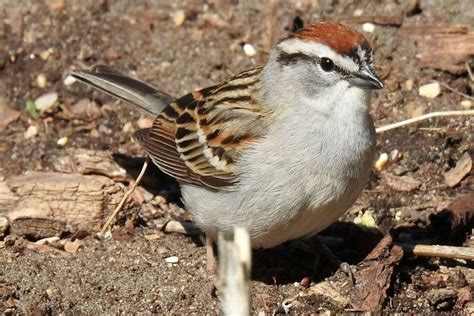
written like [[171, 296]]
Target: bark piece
[[80, 201], [401, 183], [453, 222], [37, 228], [462, 169], [374, 274], [91, 162]]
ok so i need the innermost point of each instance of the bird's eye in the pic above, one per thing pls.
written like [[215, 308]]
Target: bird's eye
[[327, 64]]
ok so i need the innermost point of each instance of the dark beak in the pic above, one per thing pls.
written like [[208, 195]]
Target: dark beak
[[366, 78]]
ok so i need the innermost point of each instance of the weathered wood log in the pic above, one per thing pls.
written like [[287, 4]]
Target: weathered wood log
[[442, 47], [73, 201]]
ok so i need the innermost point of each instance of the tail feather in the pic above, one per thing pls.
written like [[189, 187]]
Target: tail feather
[[124, 87]]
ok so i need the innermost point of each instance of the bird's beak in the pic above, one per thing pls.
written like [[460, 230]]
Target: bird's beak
[[366, 78]]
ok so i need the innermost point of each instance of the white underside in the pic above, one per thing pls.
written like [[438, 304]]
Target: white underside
[[317, 168]]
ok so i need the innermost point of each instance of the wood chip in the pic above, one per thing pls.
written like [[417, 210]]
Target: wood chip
[[326, 290], [463, 168], [87, 162], [401, 183], [8, 116], [72, 246], [215, 20], [86, 109]]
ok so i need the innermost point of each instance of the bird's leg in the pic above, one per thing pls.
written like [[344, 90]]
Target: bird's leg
[[322, 250], [211, 260]]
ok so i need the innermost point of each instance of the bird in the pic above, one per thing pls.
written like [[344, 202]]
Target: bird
[[282, 150]]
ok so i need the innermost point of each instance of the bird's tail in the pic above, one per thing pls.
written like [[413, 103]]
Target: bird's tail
[[124, 87]]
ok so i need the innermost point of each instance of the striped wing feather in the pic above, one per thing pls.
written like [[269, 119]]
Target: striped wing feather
[[198, 138]]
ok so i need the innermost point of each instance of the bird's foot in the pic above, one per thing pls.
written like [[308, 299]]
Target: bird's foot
[[211, 265]]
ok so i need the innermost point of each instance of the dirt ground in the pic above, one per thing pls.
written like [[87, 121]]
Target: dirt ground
[[42, 41]]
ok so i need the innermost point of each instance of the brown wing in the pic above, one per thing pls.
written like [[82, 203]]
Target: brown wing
[[198, 138]]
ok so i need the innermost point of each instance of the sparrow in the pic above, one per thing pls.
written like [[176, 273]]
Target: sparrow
[[282, 150]]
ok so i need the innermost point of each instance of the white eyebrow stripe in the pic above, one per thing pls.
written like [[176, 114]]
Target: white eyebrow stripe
[[293, 46]]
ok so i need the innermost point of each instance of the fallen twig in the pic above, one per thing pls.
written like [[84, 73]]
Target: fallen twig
[[235, 262], [449, 252], [388, 127], [123, 200], [469, 70], [454, 90]]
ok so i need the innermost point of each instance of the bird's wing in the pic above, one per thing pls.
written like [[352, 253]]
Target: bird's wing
[[124, 87], [198, 138]]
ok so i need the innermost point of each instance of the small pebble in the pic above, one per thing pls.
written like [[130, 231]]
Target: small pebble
[[44, 55], [31, 132], [466, 104], [409, 84], [430, 90], [172, 259], [94, 133], [62, 141], [358, 12], [72, 246], [249, 50], [41, 81], [105, 130], [179, 17], [50, 292], [381, 162], [3, 226], [46, 101], [69, 80], [127, 127], [395, 155], [398, 216], [368, 27]]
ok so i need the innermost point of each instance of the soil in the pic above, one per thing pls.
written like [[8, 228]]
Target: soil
[[127, 273]]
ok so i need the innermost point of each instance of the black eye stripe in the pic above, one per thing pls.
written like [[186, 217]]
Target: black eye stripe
[[286, 59]]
